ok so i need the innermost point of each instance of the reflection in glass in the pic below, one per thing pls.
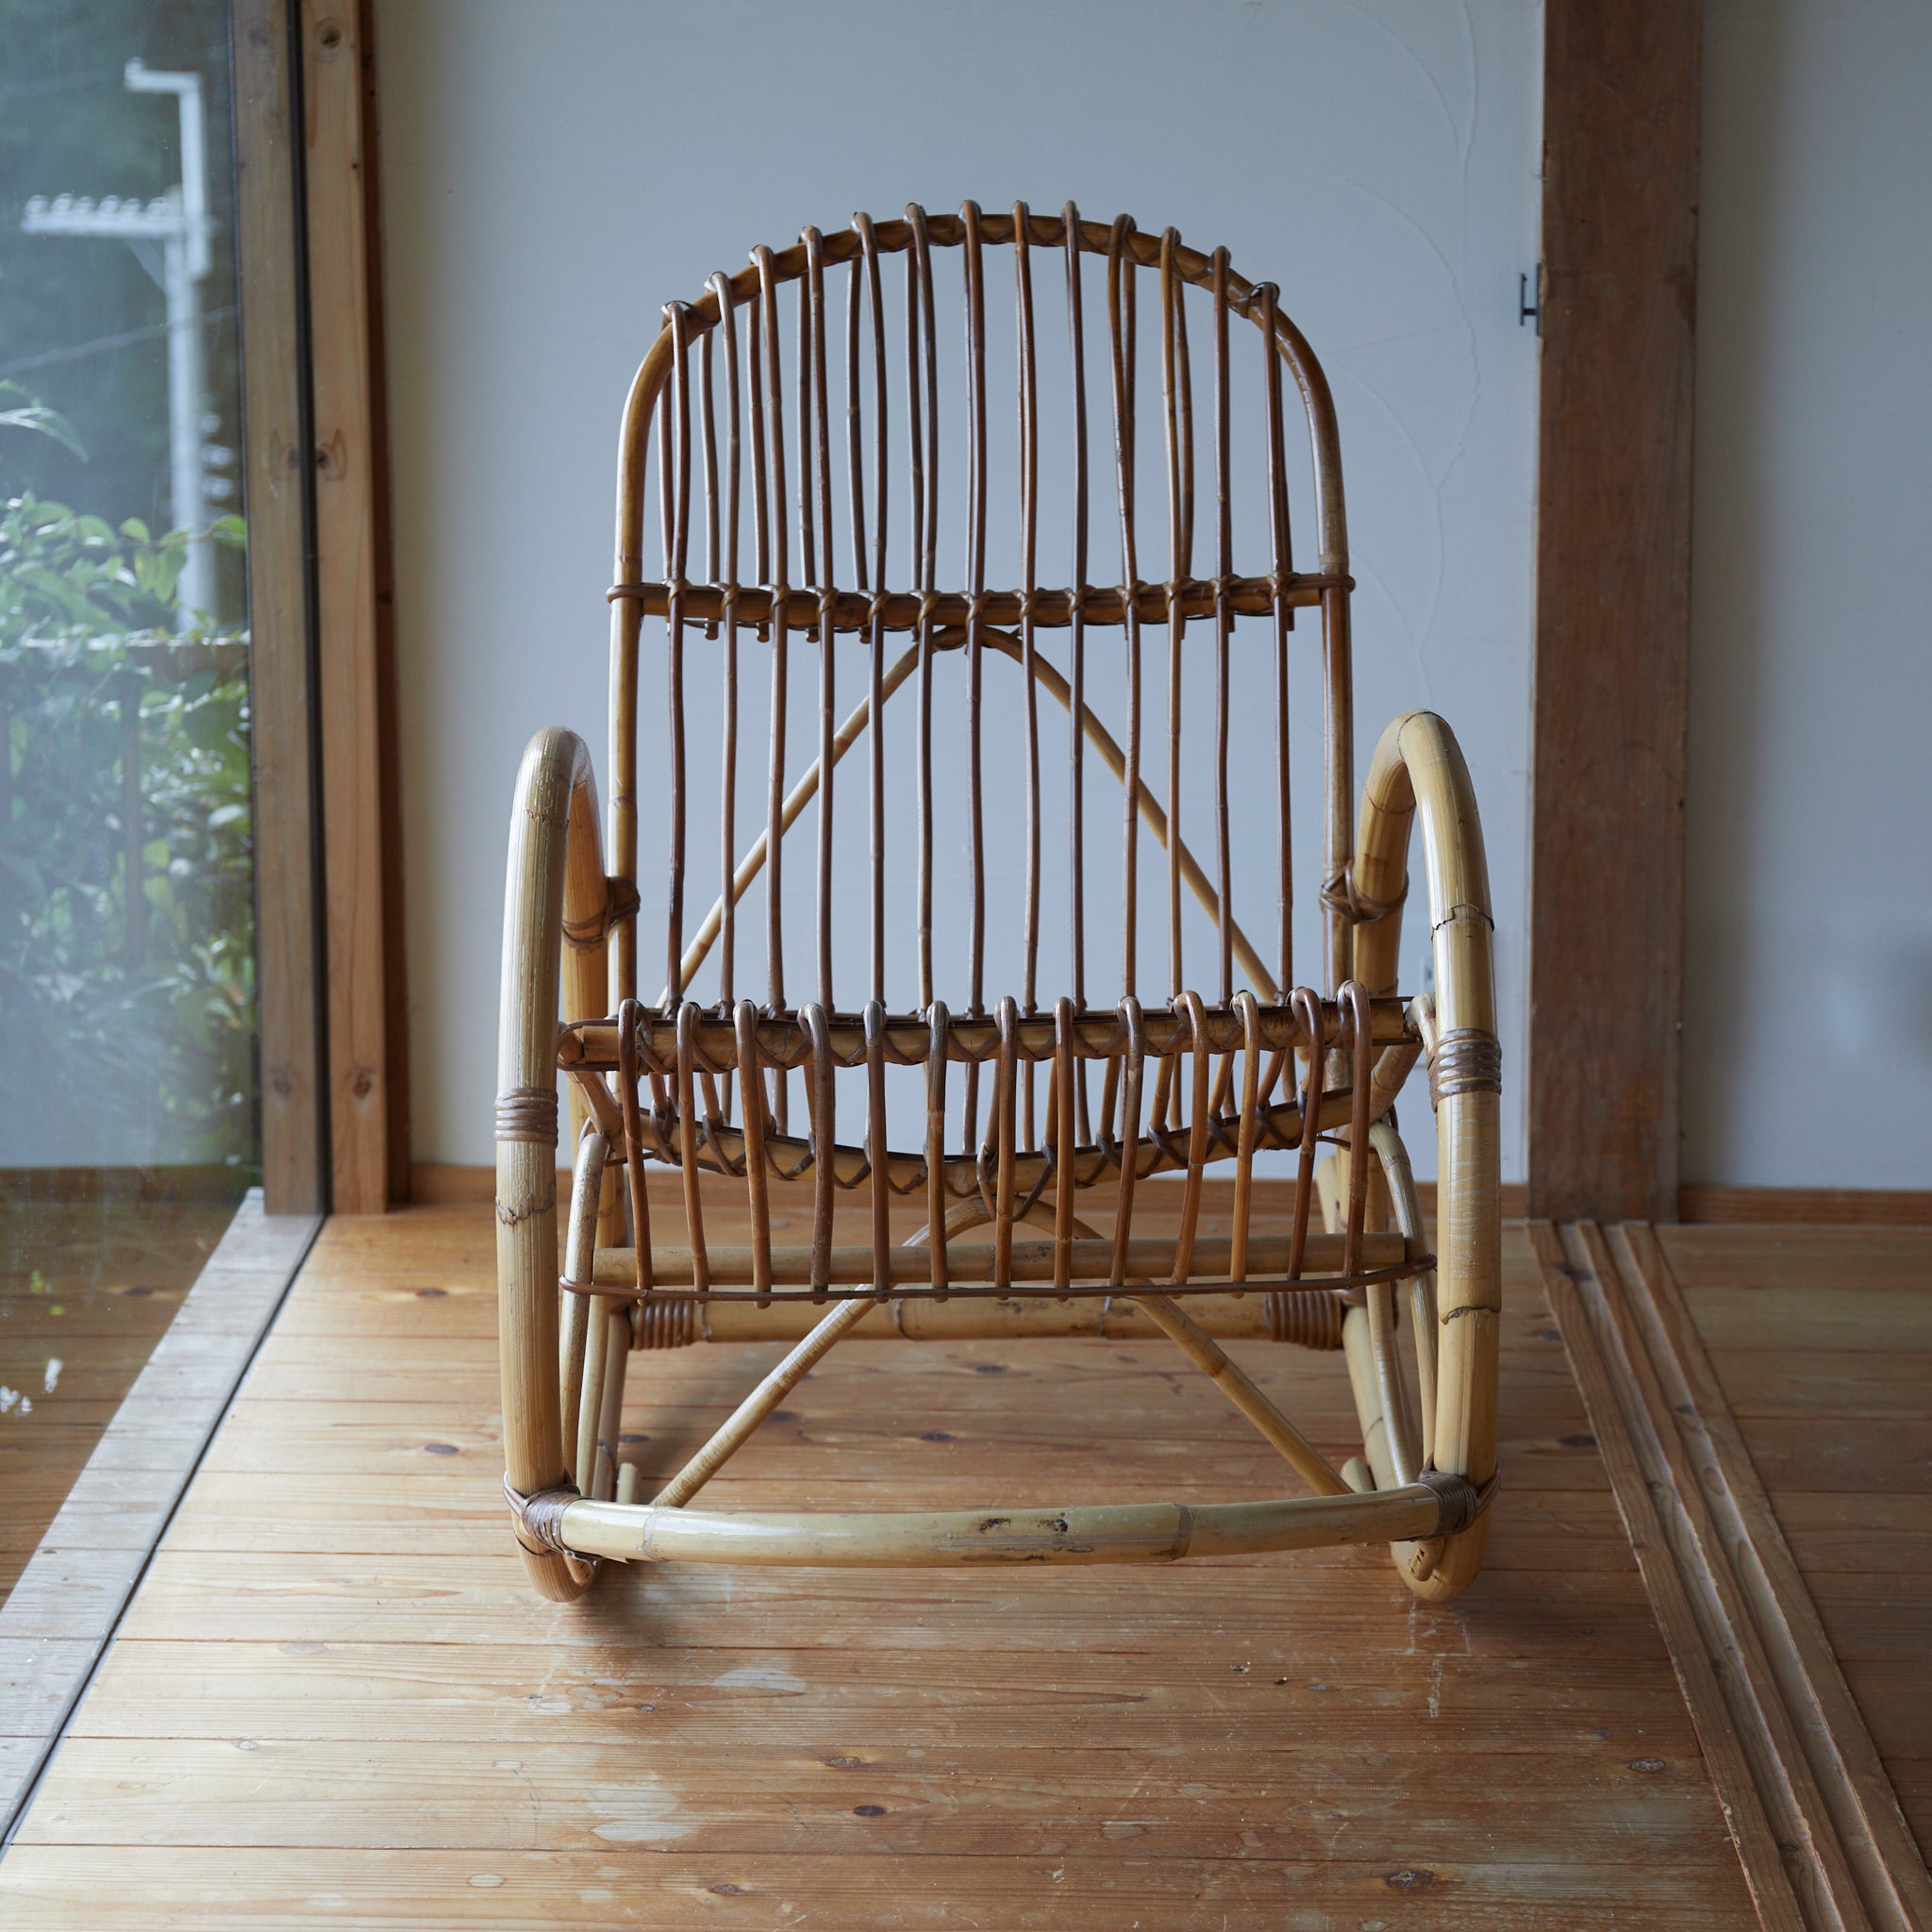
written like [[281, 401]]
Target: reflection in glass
[[128, 1117]]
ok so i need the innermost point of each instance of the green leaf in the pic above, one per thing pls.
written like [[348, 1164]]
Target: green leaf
[[34, 415]]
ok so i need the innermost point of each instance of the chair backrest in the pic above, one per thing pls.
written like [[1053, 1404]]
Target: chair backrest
[[798, 483]]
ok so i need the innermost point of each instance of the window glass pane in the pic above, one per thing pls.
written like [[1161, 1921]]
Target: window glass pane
[[130, 1123]]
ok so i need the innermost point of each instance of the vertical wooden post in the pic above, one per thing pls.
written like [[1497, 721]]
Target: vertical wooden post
[[275, 469], [363, 947], [390, 803], [1621, 114]]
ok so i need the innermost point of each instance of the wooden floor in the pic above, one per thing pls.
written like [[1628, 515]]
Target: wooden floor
[[87, 1286], [335, 1702], [1823, 1347]]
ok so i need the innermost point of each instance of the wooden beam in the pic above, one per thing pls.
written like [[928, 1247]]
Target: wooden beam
[[363, 951], [275, 473], [1613, 566]]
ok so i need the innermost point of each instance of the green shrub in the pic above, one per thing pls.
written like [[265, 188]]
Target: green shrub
[[139, 1016]]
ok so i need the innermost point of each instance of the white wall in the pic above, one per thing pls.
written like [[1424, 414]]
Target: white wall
[[552, 174], [1807, 1049]]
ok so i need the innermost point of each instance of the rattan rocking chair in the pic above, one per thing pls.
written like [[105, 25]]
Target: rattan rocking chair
[[704, 1086]]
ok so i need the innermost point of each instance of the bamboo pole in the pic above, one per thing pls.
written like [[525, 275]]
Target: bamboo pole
[[1417, 773], [579, 1252], [553, 827], [1400, 1178], [743, 1421], [1358, 1353], [611, 1405], [1233, 1316], [1213, 1360], [1089, 1533], [591, 1406]]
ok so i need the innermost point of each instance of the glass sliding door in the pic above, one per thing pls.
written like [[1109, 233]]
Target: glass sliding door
[[131, 1123]]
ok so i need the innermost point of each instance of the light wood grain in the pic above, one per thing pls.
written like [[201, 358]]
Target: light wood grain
[[1812, 1260], [335, 1700], [540, 1889], [1835, 1206]]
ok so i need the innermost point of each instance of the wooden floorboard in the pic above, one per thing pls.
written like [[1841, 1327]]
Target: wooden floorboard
[[1761, 1643], [87, 1288], [1822, 1342], [336, 1701], [90, 1484]]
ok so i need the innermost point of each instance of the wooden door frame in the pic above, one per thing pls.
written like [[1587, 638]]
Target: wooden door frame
[[275, 458], [368, 1059], [328, 862], [1617, 317]]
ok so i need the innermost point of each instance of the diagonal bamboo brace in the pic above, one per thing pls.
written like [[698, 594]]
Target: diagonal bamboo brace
[[1215, 1363], [744, 1419]]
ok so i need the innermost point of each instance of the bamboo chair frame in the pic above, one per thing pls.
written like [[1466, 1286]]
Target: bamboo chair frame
[[659, 1082]]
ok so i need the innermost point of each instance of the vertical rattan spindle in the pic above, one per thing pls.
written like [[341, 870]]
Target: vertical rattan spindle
[[939, 1025], [814, 369], [922, 431], [725, 575], [1029, 545], [1284, 621], [1000, 1133], [1120, 271], [867, 267], [688, 1139], [1223, 623], [865, 285], [677, 497], [1076, 652], [774, 807], [975, 279], [1174, 390], [1134, 1064], [751, 1083], [821, 1100]]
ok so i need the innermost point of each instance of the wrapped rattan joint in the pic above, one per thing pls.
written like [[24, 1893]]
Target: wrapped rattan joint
[[1309, 1320], [527, 1113], [1466, 1060], [538, 1517]]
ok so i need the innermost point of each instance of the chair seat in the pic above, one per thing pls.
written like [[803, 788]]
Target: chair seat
[[695, 1056], [973, 1265]]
